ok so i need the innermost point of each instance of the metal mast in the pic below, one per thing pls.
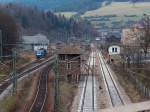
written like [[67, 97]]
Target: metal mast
[[14, 76], [1, 46], [56, 85]]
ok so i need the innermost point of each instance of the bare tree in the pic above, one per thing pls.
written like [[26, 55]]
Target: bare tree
[[134, 2], [10, 34], [145, 37]]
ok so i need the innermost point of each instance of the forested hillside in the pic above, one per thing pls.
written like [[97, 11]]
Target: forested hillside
[[58, 5], [67, 5], [32, 21]]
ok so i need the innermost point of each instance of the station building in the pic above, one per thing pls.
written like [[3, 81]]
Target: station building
[[114, 50], [70, 63]]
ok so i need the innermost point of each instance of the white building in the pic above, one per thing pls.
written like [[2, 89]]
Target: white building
[[114, 50], [35, 42]]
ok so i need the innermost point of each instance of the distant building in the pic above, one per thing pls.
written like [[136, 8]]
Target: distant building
[[35, 42], [98, 39], [114, 50], [127, 36], [131, 36], [70, 63], [112, 39]]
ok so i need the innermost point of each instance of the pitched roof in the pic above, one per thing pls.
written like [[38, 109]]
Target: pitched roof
[[36, 39]]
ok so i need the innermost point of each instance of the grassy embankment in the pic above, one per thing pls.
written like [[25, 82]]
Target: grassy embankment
[[129, 87]]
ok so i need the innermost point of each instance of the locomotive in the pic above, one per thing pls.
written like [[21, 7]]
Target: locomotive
[[41, 53]]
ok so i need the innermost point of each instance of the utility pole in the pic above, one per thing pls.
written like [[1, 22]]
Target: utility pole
[[93, 82], [56, 85], [68, 38], [1, 46], [14, 77]]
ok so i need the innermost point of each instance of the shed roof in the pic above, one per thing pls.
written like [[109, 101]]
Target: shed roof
[[70, 49]]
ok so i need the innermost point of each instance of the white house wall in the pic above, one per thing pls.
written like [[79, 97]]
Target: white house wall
[[37, 47], [111, 52]]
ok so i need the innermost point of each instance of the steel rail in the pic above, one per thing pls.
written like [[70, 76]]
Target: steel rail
[[85, 88], [84, 92], [41, 94], [107, 83], [7, 82]]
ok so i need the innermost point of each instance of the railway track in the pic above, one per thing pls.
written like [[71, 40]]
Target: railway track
[[41, 95], [25, 70], [113, 91], [88, 96]]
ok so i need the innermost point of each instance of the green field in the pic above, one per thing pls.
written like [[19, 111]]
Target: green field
[[66, 14], [120, 9], [117, 14], [122, 20]]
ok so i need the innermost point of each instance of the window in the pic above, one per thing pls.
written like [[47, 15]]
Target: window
[[69, 78], [62, 57], [68, 65], [115, 49]]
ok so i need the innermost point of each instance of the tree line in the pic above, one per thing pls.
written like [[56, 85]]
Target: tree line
[[16, 21], [32, 20]]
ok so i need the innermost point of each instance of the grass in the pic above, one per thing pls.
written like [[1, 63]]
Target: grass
[[14, 103], [120, 13], [3, 72], [9, 104], [119, 20], [67, 95], [130, 89], [22, 61], [66, 14], [120, 8], [140, 72]]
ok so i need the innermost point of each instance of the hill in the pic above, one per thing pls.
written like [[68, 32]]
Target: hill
[[58, 5], [120, 8], [117, 14], [32, 21], [66, 5]]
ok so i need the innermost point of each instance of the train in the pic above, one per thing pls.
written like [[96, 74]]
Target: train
[[41, 53]]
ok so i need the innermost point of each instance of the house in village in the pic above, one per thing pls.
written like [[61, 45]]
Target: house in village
[[35, 42], [70, 63], [131, 41], [114, 50], [131, 36]]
